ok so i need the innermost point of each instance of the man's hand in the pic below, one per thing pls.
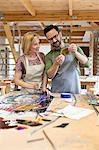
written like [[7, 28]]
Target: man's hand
[[81, 57], [60, 59], [72, 48], [54, 68]]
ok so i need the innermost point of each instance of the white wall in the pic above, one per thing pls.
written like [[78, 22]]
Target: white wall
[[45, 48]]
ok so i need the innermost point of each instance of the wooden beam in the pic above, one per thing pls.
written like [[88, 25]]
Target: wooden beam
[[11, 41], [20, 39], [91, 51], [72, 40], [90, 28], [82, 28], [70, 8], [28, 5], [53, 16], [41, 32], [64, 28], [42, 25]]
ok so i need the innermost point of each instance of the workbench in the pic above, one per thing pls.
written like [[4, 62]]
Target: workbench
[[82, 134]]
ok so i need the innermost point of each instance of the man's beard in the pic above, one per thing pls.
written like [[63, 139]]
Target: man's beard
[[56, 45]]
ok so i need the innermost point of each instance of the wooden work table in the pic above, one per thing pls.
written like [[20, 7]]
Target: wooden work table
[[80, 134]]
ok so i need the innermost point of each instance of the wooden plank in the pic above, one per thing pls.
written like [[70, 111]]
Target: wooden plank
[[42, 25], [92, 28], [57, 15], [10, 40], [91, 52], [70, 8], [50, 5], [41, 32], [64, 28], [28, 5]]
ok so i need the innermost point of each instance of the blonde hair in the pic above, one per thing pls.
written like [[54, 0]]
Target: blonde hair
[[27, 41]]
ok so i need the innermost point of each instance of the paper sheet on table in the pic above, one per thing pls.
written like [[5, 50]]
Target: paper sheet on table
[[74, 112]]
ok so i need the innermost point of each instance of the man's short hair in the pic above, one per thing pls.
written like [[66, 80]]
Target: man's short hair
[[50, 27]]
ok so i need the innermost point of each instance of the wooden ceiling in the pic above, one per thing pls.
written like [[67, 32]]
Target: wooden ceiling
[[49, 10], [73, 16]]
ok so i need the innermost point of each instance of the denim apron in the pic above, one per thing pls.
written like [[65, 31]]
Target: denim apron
[[67, 77]]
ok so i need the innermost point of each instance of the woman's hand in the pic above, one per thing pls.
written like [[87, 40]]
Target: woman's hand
[[34, 86]]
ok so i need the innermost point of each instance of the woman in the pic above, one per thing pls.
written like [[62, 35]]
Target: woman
[[29, 72]]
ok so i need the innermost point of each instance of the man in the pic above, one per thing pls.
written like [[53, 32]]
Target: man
[[63, 69]]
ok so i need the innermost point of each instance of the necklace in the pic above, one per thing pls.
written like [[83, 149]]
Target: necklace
[[33, 58], [34, 61]]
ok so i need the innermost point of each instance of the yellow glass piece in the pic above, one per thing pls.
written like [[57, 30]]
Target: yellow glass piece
[[64, 51]]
